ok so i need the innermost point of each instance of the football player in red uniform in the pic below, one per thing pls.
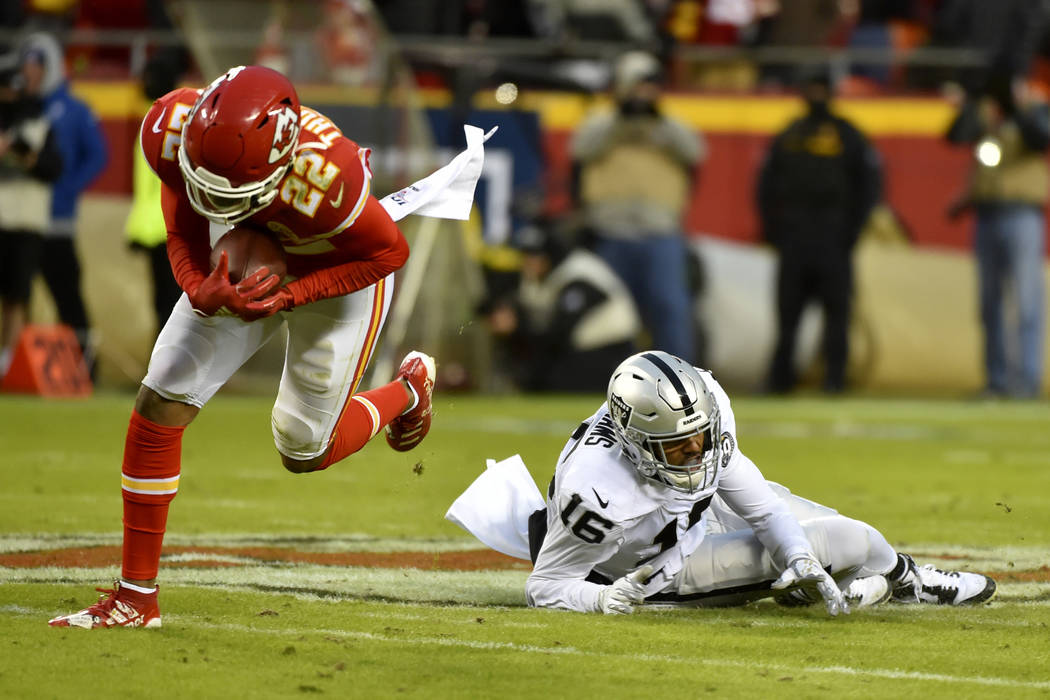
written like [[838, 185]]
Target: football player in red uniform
[[244, 150]]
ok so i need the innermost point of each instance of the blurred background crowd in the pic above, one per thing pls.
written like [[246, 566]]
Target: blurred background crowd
[[829, 195]]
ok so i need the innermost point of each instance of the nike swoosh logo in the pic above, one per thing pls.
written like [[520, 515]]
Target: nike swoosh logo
[[600, 501], [157, 128], [338, 200]]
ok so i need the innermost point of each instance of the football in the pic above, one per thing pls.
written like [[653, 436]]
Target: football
[[248, 249]]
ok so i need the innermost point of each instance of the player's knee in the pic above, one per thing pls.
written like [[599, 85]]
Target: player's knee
[[299, 466], [848, 544], [154, 407], [294, 436]]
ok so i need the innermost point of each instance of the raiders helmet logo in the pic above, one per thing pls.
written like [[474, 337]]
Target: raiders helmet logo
[[285, 133], [620, 411]]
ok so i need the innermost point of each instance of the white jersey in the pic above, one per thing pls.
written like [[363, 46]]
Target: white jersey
[[606, 518]]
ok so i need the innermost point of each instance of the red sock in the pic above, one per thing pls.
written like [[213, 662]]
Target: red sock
[[363, 416], [149, 480]]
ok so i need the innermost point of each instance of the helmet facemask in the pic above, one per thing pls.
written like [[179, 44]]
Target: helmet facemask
[[657, 401], [213, 197]]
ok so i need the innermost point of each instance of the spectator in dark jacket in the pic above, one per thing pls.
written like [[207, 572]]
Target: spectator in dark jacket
[[816, 189], [84, 155], [29, 161]]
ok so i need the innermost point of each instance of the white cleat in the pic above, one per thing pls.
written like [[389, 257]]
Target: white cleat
[[868, 591]]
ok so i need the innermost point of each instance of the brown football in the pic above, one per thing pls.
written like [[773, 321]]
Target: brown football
[[248, 249]]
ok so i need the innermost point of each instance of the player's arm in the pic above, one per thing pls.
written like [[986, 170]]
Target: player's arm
[[210, 291], [576, 541], [189, 246], [377, 248], [745, 491]]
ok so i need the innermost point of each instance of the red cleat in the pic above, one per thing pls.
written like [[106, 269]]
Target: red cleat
[[408, 430], [118, 607]]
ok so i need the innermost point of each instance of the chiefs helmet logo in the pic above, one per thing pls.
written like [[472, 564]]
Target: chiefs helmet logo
[[285, 133]]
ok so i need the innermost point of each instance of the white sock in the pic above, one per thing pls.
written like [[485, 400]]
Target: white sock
[[415, 399], [137, 589]]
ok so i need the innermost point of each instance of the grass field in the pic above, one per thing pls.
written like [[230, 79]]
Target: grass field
[[349, 583]]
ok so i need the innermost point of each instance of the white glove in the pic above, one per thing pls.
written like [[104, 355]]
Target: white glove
[[807, 573], [625, 592]]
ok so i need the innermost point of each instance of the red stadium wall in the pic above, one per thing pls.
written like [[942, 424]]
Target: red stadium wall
[[923, 174]]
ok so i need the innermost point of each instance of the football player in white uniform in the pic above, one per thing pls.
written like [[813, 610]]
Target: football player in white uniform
[[652, 501]]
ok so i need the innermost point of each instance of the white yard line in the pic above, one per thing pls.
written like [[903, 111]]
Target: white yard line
[[794, 671], [893, 674]]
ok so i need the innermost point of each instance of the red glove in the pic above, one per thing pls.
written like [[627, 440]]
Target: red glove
[[215, 294], [280, 300]]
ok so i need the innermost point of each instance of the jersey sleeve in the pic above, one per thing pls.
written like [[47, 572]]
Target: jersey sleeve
[[374, 247], [189, 246], [159, 138], [577, 540], [749, 495], [339, 239]]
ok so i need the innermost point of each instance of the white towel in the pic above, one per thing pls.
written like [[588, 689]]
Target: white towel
[[448, 192], [496, 507]]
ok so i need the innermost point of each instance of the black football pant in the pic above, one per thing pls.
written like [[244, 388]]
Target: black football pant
[[801, 279], [61, 269], [166, 291]]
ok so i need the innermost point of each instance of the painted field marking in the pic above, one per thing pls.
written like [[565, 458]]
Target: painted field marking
[[1008, 559], [33, 542], [481, 589]]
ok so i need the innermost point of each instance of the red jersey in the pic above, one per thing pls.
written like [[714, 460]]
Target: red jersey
[[336, 235]]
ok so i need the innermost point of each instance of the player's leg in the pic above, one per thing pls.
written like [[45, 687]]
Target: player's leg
[[991, 274], [927, 584], [791, 297], [733, 568], [19, 260], [896, 573], [62, 273], [835, 290], [192, 358], [317, 418]]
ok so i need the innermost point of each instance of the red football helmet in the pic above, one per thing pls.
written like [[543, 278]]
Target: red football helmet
[[238, 143]]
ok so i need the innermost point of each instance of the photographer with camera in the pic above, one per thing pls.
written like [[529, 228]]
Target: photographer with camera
[[1009, 132], [29, 162]]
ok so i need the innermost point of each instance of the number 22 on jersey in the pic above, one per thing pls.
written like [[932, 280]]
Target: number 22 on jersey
[[305, 187]]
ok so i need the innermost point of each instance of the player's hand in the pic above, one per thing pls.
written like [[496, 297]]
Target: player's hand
[[625, 592], [216, 295], [259, 295], [807, 573], [279, 300], [256, 285], [215, 291]]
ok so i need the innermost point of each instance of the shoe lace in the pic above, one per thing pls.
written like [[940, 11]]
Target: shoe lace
[[105, 603], [932, 576]]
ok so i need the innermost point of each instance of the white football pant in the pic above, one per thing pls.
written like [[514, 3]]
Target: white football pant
[[330, 343], [731, 567]]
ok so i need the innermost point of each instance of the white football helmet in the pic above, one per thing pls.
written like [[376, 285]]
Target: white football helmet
[[656, 399]]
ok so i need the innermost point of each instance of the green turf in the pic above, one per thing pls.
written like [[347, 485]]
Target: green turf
[[930, 474]]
